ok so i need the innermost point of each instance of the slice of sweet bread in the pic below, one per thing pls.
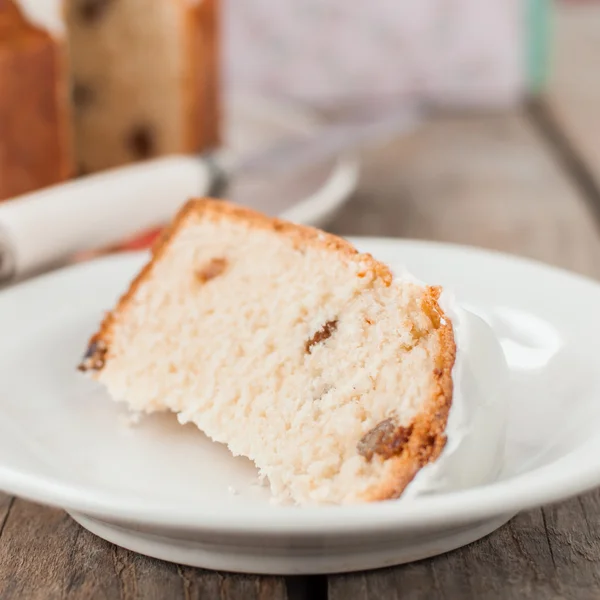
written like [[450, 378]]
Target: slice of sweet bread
[[289, 346]]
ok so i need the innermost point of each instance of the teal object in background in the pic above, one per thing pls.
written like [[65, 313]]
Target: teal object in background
[[539, 26]]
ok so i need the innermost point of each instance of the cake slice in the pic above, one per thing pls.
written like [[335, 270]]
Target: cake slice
[[289, 346]]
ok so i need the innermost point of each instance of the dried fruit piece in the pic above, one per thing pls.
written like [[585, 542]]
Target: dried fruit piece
[[429, 307], [321, 335], [93, 359], [82, 95], [141, 141], [213, 269], [92, 10], [385, 440]]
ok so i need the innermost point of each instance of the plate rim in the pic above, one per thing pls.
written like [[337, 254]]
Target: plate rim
[[342, 179], [544, 485]]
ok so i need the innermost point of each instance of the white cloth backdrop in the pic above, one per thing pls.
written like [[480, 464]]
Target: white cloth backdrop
[[365, 52]]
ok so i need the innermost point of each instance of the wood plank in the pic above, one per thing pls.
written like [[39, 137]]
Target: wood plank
[[573, 97], [491, 182], [485, 181], [45, 555], [515, 562], [6, 503]]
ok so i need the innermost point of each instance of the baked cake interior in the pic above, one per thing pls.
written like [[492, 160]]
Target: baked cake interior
[[297, 353]]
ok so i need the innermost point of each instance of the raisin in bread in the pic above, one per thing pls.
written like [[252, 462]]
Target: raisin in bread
[[35, 131], [144, 78], [289, 346]]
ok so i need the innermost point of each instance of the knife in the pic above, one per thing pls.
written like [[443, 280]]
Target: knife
[[44, 228]]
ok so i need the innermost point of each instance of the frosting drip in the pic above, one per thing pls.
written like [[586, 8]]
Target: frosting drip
[[476, 427], [44, 14]]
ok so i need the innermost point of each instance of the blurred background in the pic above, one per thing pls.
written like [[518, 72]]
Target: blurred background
[[469, 121], [335, 54]]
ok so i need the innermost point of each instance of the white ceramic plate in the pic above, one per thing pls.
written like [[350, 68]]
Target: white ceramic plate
[[165, 490]]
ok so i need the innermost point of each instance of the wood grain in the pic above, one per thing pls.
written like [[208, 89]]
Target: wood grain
[[6, 503], [486, 181], [574, 94], [492, 182], [45, 555]]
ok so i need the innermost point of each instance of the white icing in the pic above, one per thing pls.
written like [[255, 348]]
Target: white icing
[[45, 14], [476, 428]]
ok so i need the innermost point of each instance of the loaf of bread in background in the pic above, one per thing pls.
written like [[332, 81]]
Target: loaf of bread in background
[[35, 129], [144, 78], [118, 81]]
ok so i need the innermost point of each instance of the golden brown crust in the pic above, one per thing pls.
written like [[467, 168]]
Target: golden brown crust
[[215, 210], [33, 106], [428, 438], [427, 431], [202, 93]]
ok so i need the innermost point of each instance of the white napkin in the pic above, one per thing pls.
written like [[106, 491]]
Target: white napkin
[[46, 227]]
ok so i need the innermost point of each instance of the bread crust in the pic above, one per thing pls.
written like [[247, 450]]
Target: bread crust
[[202, 93], [33, 106], [428, 437], [427, 430]]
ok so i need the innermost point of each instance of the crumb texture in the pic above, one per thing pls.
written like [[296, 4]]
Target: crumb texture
[[295, 352]]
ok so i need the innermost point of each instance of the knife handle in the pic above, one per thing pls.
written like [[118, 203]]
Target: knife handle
[[46, 227]]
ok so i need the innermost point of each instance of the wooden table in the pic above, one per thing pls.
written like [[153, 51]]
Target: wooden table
[[527, 182]]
